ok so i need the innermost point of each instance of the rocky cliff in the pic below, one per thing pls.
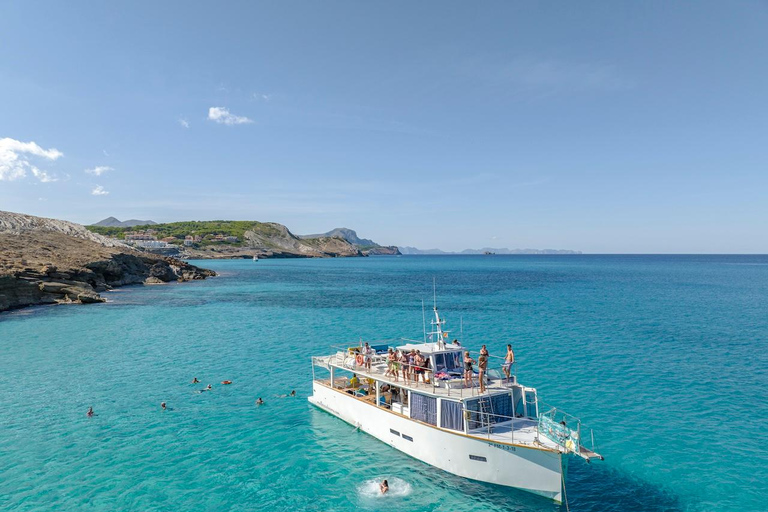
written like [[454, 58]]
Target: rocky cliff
[[48, 261], [364, 245]]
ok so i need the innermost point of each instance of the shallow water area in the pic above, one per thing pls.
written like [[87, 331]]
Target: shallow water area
[[664, 356]]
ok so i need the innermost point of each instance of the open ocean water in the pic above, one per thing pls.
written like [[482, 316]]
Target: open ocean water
[[665, 357]]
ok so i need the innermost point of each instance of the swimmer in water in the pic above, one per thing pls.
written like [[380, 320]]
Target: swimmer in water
[[384, 487], [195, 381], [259, 401], [207, 388], [293, 393], [90, 412], [162, 406]]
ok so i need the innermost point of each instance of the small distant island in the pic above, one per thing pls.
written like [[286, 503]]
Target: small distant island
[[487, 251], [237, 239]]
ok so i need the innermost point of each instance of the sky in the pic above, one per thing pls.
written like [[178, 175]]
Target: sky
[[604, 127]]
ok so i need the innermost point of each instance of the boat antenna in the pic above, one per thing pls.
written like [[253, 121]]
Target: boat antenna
[[461, 328], [434, 293], [424, 320]]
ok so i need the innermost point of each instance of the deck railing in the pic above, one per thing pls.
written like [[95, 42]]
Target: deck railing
[[567, 431]]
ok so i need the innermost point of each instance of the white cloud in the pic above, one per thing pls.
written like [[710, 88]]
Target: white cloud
[[263, 97], [99, 170], [184, 123], [43, 176], [14, 160], [222, 115], [105, 152], [98, 190]]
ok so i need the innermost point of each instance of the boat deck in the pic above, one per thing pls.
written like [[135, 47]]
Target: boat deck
[[452, 388], [517, 431]]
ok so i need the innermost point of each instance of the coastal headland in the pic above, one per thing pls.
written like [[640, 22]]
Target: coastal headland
[[48, 261], [238, 239]]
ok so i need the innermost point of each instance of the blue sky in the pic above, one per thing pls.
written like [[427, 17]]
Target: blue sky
[[602, 127]]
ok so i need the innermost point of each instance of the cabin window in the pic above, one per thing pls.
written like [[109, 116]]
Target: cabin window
[[424, 408], [489, 410], [530, 404], [392, 431], [407, 438], [452, 415], [479, 458], [447, 362]]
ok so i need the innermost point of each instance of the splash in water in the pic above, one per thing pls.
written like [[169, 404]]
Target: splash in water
[[397, 488]]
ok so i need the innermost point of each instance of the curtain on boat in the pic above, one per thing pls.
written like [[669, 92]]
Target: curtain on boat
[[424, 408], [451, 415]]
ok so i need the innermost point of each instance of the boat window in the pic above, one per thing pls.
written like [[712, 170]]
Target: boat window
[[489, 410], [478, 458], [394, 432], [447, 361], [530, 403], [424, 408], [407, 438], [452, 415]]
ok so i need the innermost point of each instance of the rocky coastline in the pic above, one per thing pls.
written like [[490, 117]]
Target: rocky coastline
[[47, 261]]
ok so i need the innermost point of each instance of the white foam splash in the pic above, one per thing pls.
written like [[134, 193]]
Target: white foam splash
[[397, 488]]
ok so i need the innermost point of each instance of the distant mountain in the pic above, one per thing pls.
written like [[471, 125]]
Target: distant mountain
[[111, 222], [366, 246], [487, 250]]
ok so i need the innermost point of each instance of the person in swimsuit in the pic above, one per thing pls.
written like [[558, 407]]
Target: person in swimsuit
[[384, 487], [419, 367], [293, 393], [162, 406], [468, 362], [259, 401], [509, 360], [195, 381], [90, 412], [390, 361], [404, 366], [482, 364], [367, 355]]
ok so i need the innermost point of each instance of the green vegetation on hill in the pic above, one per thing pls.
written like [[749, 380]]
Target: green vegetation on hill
[[200, 228]]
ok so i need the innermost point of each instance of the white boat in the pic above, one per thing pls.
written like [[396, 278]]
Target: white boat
[[504, 435]]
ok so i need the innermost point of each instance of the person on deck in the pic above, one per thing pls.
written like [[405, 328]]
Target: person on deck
[[404, 365], [482, 364], [419, 367], [509, 360], [390, 361], [367, 355], [468, 362], [354, 382]]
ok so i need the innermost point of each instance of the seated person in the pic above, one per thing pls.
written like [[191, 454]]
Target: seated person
[[354, 382]]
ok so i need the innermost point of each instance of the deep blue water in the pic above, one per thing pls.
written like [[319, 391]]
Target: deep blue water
[[663, 356]]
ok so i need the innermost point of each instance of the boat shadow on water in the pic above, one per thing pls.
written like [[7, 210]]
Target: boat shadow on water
[[589, 487]]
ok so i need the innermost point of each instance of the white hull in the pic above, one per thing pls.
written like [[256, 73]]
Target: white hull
[[539, 471]]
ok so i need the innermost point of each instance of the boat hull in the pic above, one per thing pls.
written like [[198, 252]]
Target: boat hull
[[531, 469]]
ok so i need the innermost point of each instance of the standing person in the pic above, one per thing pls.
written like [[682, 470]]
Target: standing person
[[509, 360], [468, 361], [419, 367], [367, 355], [412, 365], [482, 364], [395, 364], [483, 351], [404, 366]]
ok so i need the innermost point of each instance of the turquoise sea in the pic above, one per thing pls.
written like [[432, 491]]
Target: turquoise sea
[[665, 357]]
